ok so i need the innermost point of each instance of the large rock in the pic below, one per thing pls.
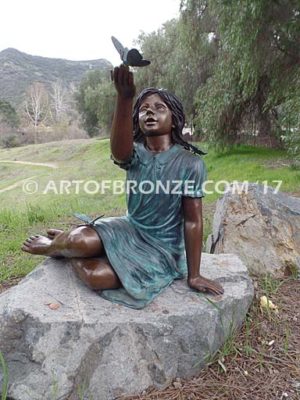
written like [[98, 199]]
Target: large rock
[[261, 227], [89, 345]]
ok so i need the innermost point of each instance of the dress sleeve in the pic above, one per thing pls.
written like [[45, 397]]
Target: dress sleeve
[[128, 163], [195, 178]]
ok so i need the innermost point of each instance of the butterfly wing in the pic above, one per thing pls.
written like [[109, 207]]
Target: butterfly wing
[[83, 217], [123, 51], [131, 57], [135, 59], [143, 63]]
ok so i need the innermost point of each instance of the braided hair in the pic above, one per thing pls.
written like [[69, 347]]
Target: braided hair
[[178, 118]]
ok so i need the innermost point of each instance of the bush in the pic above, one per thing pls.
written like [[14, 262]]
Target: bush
[[10, 141]]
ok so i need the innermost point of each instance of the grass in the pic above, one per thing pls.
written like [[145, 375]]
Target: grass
[[230, 332], [23, 214], [270, 285], [4, 384], [247, 348], [246, 163]]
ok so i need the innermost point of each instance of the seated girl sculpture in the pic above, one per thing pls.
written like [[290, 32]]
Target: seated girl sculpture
[[131, 259]]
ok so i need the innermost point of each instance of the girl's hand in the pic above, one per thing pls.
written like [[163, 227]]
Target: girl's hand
[[123, 80], [205, 285]]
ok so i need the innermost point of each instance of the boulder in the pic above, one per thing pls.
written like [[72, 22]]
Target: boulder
[[61, 340], [259, 225]]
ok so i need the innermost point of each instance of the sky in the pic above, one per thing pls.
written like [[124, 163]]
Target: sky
[[79, 29]]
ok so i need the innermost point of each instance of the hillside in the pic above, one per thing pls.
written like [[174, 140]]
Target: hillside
[[19, 70]]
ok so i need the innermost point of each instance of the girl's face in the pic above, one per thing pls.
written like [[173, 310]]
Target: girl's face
[[155, 117]]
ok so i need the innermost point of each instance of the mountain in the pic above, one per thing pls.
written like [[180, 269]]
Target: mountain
[[19, 70]]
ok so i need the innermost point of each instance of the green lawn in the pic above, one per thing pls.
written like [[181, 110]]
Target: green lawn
[[24, 214]]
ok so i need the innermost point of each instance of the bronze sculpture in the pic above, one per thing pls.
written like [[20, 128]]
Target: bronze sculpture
[[108, 255]]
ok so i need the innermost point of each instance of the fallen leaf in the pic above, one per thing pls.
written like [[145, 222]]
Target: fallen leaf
[[267, 304]]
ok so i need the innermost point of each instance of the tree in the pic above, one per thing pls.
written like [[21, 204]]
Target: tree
[[181, 57], [95, 101], [197, 50], [58, 96], [8, 115], [256, 70], [37, 104], [289, 120], [159, 47], [234, 65]]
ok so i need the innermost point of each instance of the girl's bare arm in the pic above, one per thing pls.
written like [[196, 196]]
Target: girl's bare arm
[[193, 234], [121, 139]]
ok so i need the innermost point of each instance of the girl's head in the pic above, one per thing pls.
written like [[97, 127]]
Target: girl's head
[[174, 105], [178, 117]]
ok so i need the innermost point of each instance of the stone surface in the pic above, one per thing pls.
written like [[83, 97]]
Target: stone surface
[[59, 338], [261, 227]]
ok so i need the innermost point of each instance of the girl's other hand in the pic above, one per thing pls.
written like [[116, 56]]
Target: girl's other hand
[[205, 285], [123, 80]]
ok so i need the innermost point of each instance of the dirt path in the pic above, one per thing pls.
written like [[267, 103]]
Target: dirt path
[[49, 165], [17, 184]]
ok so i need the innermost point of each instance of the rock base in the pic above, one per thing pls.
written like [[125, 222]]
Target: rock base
[[60, 339], [261, 227]]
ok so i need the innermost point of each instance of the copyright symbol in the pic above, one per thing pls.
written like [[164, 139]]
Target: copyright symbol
[[30, 186]]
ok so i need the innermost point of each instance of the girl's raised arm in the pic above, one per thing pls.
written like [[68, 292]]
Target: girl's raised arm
[[121, 139]]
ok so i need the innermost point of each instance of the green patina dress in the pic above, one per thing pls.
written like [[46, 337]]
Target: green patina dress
[[146, 247]]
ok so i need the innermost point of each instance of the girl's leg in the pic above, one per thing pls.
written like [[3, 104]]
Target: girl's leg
[[82, 241], [96, 273]]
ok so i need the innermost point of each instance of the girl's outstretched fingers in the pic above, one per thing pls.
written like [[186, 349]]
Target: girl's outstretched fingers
[[205, 285]]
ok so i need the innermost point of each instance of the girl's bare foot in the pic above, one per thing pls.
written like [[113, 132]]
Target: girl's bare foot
[[82, 241], [40, 245]]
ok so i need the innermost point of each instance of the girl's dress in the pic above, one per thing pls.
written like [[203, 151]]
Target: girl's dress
[[146, 247]]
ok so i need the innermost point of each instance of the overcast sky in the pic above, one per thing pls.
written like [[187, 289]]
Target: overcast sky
[[79, 29]]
